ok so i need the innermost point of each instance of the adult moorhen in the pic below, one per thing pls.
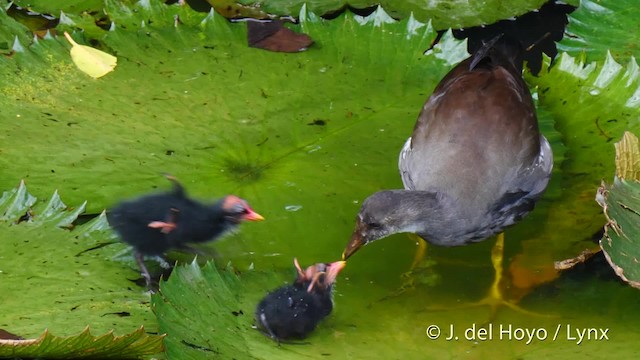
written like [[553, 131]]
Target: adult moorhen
[[294, 311], [156, 223], [475, 163]]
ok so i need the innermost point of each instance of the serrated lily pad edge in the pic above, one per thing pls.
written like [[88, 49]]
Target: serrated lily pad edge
[[136, 344]]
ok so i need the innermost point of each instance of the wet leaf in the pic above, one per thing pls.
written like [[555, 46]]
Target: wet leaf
[[621, 204], [614, 18], [48, 281], [273, 36], [443, 13], [68, 6], [83, 346], [92, 62], [38, 23], [190, 98], [229, 301], [233, 9], [593, 106]]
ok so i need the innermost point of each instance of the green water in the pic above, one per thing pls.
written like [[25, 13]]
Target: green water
[[368, 319]]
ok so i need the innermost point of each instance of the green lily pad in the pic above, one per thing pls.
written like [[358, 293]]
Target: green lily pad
[[304, 137], [596, 103], [621, 204], [443, 13], [68, 6], [84, 346], [49, 280], [613, 19]]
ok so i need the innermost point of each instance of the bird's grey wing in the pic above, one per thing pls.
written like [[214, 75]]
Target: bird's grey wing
[[530, 182], [403, 165], [541, 169]]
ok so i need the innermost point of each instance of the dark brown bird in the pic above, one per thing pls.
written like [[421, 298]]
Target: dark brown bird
[[154, 224], [475, 163], [294, 311]]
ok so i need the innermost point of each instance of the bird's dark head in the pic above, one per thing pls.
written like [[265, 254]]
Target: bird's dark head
[[372, 222], [389, 212], [319, 277], [237, 210]]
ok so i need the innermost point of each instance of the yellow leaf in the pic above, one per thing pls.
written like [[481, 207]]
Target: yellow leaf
[[628, 157], [93, 62]]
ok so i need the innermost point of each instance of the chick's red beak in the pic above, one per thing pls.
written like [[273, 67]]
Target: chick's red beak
[[251, 215], [333, 271]]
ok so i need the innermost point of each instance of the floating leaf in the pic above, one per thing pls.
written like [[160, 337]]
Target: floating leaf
[[621, 204], [16, 202], [84, 346], [273, 36], [601, 26], [444, 13], [226, 301], [48, 279], [305, 137], [93, 62]]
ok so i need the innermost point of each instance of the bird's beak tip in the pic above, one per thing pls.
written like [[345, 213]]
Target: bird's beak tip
[[253, 216], [339, 265], [354, 245], [334, 270]]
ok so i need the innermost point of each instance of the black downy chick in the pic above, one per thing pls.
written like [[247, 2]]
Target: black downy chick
[[294, 311], [156, 223]]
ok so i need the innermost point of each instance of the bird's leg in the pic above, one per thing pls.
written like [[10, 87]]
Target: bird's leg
[[495, 298], [416, 270], [420, 251], [408, 278], [143, 268], [162, 262]]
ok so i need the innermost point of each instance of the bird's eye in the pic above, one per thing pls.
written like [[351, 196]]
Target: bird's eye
[[239, 209]]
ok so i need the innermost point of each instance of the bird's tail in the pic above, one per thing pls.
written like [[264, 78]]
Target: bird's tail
[[499, 51]]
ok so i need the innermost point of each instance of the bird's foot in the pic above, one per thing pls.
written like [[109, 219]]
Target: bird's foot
[[421, 272], [494, 300], [420, 275], [162, 262], [150, 282]]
